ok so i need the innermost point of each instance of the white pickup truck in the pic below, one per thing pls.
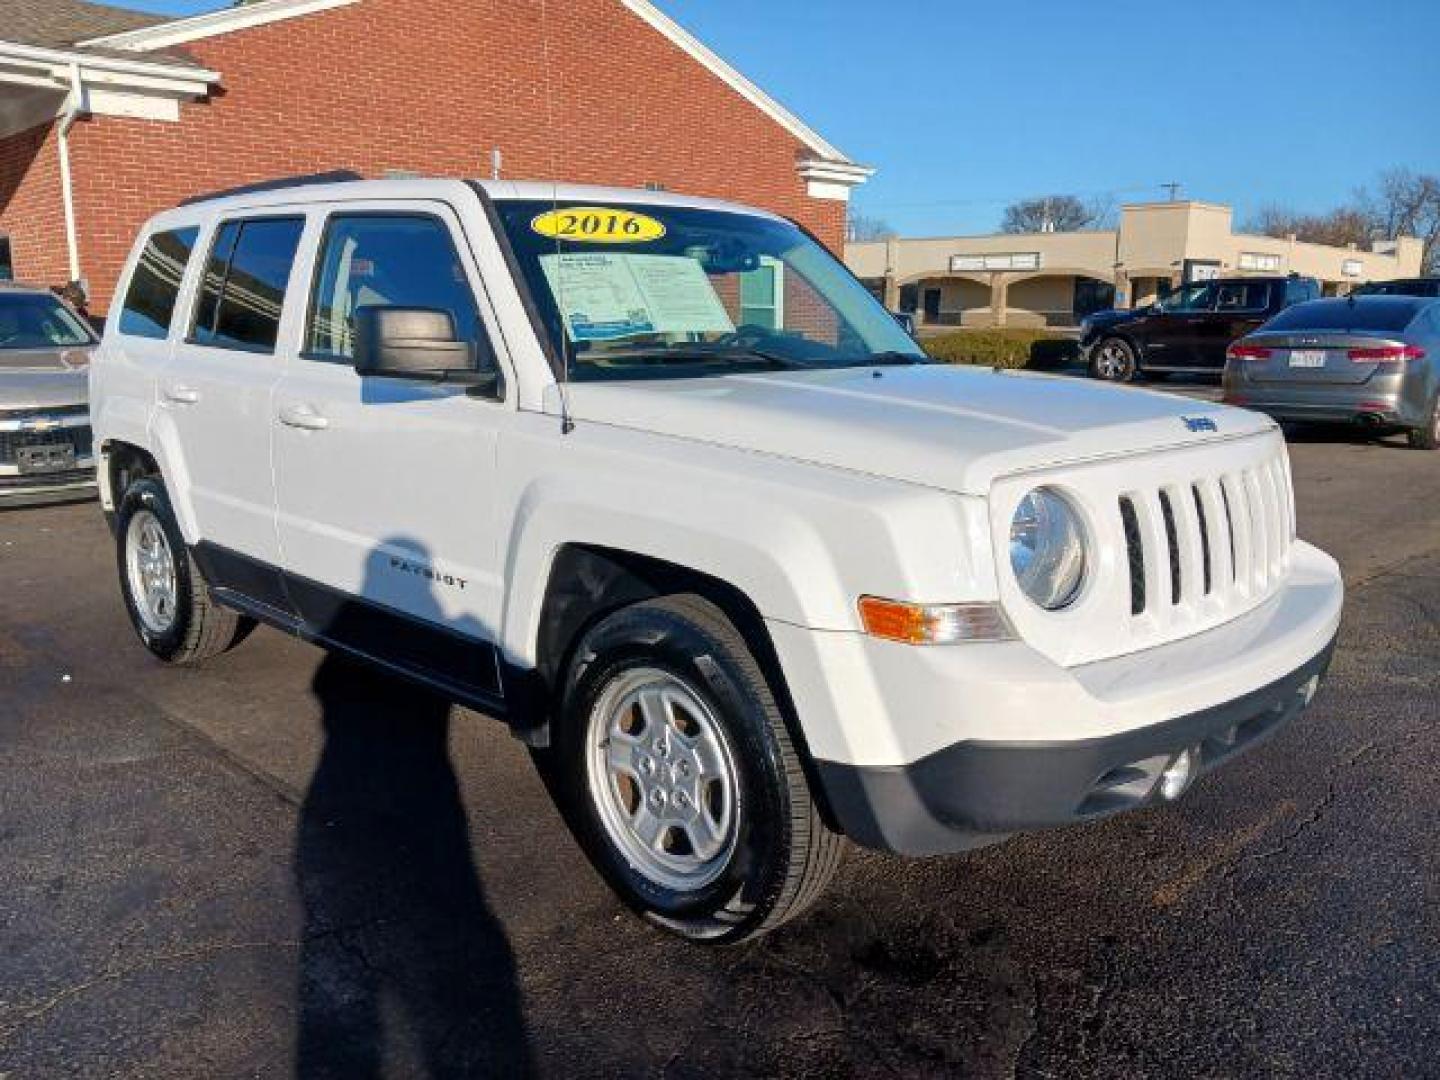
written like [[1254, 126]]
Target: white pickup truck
[[657, 481]]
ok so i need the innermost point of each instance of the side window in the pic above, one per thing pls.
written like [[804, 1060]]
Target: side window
[[381, 260], [243, 293], [1243, 296], [155, 286]]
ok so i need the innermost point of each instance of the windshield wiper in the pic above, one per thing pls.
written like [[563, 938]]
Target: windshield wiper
[[695, 355], [895, 358]]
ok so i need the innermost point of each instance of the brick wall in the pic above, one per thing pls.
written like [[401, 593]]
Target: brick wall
[[432, 86], [31, 211]]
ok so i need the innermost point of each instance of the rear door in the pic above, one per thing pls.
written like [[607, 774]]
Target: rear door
[[387, 488], [216, 401], [1239, 308]]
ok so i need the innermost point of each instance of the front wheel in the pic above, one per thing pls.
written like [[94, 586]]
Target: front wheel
[[679, 777], [165, 596], [1427, 436], [1113, 360]]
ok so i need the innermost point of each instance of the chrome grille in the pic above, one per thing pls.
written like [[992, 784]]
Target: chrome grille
[[1215, 537]]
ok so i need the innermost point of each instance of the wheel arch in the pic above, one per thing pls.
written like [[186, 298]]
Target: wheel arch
[[121, 464], [588, 582]]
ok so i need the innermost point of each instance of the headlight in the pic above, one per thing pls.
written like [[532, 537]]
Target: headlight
[[1047, 549]]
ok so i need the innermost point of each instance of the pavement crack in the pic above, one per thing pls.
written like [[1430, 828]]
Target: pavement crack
[[30, 1014]]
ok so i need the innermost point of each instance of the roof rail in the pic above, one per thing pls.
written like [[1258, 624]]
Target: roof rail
[[339, 176]]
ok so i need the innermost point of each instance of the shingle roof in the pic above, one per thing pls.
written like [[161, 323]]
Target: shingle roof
[[59, 24]]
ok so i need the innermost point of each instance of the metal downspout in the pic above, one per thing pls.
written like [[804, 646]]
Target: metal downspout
[[74, 109]]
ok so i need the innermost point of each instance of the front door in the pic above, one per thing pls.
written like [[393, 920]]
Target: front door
[[932, 306], [387, 489], [216, 394], [1171, 332]]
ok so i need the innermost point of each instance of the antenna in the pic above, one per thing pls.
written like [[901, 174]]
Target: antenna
[[1173, 188], [567, 421]]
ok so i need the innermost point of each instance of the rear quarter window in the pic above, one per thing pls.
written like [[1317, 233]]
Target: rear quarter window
[[154, 291]]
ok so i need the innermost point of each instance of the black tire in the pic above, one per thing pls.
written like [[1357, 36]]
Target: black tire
[[199, 628], [1428, 436], [1113, 359], [783, 854]]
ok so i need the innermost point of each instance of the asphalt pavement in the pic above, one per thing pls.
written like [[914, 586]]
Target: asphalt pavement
[[286, 865]]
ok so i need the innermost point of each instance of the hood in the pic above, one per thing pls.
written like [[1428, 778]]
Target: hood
[[43, 378], [952, 428]]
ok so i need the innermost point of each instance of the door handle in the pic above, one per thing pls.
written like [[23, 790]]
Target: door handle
[[303, 417], [178, 394]]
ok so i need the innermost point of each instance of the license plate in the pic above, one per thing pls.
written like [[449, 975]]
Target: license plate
[[53, 457], [1307, 358]]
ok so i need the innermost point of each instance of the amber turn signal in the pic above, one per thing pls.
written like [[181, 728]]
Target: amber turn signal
[[933, 624]]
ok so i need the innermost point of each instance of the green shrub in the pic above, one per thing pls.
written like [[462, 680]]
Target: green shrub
[[1004, 348]]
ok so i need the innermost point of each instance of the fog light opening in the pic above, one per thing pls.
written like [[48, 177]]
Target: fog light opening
[[1176, 778]]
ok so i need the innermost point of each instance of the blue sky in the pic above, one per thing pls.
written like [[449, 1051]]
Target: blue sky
[[966, 106]]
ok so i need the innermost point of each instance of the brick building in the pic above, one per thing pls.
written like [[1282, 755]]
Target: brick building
[[108, 115]]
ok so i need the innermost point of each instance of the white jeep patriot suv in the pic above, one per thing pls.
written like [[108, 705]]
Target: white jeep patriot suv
[[656, 480]]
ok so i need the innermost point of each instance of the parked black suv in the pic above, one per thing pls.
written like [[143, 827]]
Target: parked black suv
[[1187, 330], [1420, 286]]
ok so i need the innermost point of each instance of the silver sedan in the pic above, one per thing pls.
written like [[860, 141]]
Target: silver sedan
[[1369, 360], [46, 451]]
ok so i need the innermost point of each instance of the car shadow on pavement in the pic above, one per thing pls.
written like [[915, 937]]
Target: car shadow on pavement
[[404, 969]]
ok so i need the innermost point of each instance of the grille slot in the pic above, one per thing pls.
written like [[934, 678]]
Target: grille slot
[[1131, 523], [1204, 538], [1172, 541]]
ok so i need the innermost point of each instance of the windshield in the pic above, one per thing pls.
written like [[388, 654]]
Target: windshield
[[36, 321], [1190, 298], [631, 291]]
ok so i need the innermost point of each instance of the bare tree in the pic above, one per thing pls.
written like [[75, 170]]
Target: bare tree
[[1047, 213], [1402, 203], [1406, 203], [863, 227]]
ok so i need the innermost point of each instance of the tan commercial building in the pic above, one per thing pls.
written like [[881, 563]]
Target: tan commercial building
[[1057, 278]]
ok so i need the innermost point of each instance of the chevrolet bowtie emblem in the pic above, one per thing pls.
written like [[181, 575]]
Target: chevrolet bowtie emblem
[[40, 426]]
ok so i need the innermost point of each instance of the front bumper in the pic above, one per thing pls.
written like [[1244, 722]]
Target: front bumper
[[1383, 400], [977, 793], [41, 489], [925, 751]]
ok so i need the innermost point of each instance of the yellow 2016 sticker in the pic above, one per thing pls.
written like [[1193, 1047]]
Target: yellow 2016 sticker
[[598, 225]]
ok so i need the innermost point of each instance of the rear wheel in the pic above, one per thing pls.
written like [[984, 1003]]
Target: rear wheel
[[1113, 360], [1427, 436], [165, 596], [680, 780]]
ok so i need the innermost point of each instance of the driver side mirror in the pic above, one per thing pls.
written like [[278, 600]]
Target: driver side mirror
[[413, 343]]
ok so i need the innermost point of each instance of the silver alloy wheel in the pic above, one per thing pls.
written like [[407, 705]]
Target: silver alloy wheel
[[1112, 360], [150, 569], [662, 777]]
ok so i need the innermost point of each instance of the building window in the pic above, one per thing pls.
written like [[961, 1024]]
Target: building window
[[1259, 261], [762, 295], [1353, 268], [7, 265], [244, 290], [1012, 260], [155, 286]]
